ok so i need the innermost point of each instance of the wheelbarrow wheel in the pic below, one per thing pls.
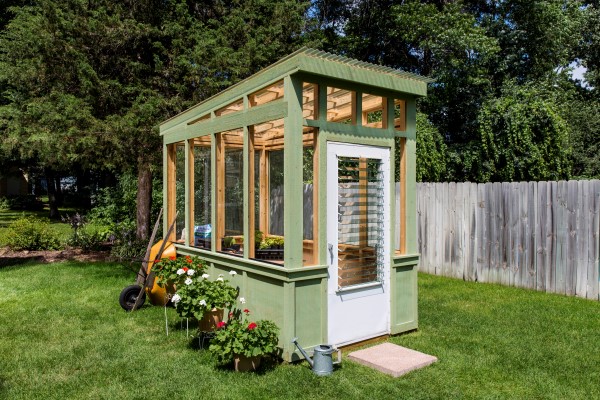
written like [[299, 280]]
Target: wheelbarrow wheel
[[129, 296]]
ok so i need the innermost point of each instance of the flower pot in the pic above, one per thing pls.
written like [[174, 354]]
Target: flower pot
[[209, 321], [246, 364]]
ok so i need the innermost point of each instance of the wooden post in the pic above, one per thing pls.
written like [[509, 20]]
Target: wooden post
[[190, 193], [171, 188], [220, 228], [249, 242]]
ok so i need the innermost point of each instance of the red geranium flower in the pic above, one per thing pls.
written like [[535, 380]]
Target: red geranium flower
[[185, 269], [251, 326], [230, 314], [189, 260], [172, 258], [246, 311], [157, 261], [221, 324]]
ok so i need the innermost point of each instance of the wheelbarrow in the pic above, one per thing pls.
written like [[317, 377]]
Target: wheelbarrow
[[134, 296]]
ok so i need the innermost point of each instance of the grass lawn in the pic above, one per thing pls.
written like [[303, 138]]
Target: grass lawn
[[64, 336]]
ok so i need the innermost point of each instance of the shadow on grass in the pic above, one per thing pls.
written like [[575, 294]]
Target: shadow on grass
[[14, 261]]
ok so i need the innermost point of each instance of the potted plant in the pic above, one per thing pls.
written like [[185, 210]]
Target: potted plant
[[243, 341], [270, 247], [203, 299], [173, 271]]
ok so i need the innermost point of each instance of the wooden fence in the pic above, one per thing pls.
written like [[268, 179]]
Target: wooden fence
[[537, 235]]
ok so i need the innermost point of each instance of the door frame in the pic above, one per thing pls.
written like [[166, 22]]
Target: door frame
[[344, 305]]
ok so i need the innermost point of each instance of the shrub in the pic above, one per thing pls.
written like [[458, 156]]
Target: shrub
[[83, 236], [4, 204], [30, 233]]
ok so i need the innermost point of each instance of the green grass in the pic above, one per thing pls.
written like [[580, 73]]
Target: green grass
[[64, 336]]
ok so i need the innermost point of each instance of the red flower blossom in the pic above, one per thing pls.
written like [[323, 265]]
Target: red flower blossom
[[172, 258], [246, 311], [251, 326], [221, 324], [230, 314], [185, 269], [157, 261], [189, 260]]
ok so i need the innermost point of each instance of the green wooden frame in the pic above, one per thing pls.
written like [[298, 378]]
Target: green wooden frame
[[295, 297]]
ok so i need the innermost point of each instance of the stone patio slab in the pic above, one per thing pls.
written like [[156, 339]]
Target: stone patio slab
[[392, 359]]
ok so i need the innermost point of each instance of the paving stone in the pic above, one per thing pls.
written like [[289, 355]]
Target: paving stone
[[392, 359]]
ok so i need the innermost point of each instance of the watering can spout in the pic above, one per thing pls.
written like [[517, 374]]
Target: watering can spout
[[310, 361]]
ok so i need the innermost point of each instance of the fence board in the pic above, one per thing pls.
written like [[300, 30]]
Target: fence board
[[538, 235], [593, 233]]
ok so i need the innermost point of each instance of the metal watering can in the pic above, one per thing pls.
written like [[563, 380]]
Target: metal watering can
[[322, 362]]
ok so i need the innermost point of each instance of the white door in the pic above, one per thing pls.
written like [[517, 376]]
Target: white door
[[358, 243]]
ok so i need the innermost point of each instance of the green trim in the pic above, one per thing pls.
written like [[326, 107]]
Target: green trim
[[351, 130], [213, 191], [256, 267], [252, 116], [346, 84], [404, 327], [405, 260], [293, 180]]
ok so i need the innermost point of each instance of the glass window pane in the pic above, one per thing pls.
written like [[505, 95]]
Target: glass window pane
[[309, 243], [339, 105], [230, 192], [267, 139], [202, 193], [372, 110], [180, 191], [267, 95]]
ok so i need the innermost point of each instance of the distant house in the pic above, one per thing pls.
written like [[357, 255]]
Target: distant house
[[13, 182]]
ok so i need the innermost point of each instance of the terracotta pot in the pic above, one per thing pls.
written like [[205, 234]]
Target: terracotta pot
[[211, 319], [246, 364]]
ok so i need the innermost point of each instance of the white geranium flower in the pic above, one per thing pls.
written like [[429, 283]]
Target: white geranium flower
[[188, 281], [242, 300], [202, 302], [180, 271], [191, 272], [205, 276], [232, 273], [175, 298], [220, 279]]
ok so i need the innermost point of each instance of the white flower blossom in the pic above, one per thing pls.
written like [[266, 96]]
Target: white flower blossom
[[202, 302], [242, 300], [220, 279], [205, 276], [188, 281], [180, 271], [220, 275], [191, 272], [232, 273], [175, 298]]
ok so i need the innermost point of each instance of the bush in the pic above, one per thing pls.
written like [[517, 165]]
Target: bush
[[30, 233], [88, 239], [4, 204], [125, 245]]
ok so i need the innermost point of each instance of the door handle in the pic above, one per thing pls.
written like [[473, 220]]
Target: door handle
[[330, 247]]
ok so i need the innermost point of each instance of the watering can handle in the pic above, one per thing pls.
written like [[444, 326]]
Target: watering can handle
[[339, 357]]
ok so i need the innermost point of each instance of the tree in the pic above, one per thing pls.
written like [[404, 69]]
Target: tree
[[523, 136], [88, 82], [431, 152]]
